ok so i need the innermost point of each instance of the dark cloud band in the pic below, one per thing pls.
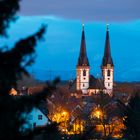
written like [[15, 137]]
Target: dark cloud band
[[106, 10]]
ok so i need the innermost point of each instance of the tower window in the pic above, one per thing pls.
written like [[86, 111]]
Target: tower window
[[109, 84], [84, 72], [108, 72], [83, 85]]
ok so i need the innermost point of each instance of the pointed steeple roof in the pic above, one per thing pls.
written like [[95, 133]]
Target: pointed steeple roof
[[83, 59], [107, 59]]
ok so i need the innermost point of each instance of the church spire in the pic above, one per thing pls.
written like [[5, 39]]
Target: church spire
[[83, 60], [107, 59]]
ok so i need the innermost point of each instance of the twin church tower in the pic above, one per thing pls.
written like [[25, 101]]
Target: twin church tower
[[87, 83]]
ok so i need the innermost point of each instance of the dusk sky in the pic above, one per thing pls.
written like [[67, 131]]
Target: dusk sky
[[103, 10], [60, 49]]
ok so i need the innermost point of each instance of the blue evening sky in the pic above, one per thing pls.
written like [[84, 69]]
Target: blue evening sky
[[57, 54]]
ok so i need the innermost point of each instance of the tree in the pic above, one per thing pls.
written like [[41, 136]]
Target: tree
[[13, 63], [106, 115], [8, 10], [131, 117]]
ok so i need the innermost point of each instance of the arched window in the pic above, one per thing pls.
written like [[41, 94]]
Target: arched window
[[84, 72], [108, 72]]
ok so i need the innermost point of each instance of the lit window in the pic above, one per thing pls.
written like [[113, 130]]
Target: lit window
[[84, 72], [108, 72], [39, 117]]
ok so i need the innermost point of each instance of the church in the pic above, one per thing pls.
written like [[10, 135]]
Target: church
[[87, 83]]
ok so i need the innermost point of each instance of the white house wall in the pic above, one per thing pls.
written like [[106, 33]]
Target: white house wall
[[33, 118]]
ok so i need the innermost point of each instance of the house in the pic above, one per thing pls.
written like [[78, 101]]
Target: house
[[37, 117], [34, 119]]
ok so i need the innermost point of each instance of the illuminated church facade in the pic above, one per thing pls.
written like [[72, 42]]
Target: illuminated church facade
[[86, 82]]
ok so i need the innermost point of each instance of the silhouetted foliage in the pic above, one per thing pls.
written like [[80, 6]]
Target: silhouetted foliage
[[13, 63], [131, 115], [50, 132], [109, 114], [8, 10], [90, 133]]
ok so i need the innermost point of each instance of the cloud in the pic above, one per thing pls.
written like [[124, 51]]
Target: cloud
[[91, 10]]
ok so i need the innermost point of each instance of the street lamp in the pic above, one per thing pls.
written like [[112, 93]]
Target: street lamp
[[98, 113], [64, 113]]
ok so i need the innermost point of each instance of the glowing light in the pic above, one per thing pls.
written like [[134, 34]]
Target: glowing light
[[61, 117], [97, 113]]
